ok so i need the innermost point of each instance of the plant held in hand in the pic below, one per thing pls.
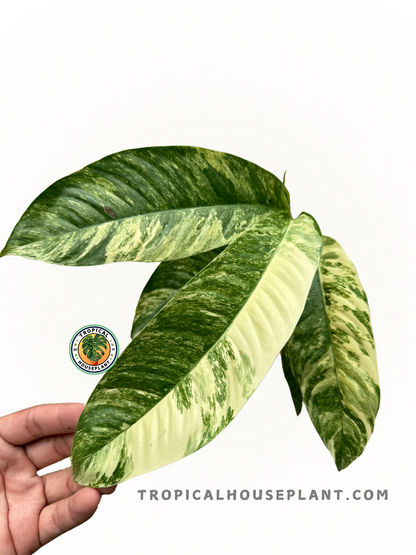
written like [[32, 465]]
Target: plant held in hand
[[240, 280]]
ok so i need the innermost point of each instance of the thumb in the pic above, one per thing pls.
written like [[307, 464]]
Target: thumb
[[62, 516]]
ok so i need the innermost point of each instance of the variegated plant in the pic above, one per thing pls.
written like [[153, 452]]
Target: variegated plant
[[240, 280]]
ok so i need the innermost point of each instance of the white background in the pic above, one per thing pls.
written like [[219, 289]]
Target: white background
[[323, 89]]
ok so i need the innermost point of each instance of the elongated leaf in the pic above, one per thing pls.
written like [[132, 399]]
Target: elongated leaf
[[168, 278], [148, 204], [195, 364], [332, 357]]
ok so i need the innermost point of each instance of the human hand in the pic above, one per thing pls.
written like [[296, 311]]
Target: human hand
[[36, 509]]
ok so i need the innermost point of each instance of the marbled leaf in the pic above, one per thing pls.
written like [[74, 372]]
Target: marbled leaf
[[331, 356], [148, 204], [190, 370]]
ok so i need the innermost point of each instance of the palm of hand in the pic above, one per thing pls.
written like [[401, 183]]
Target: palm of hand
[[36, 509]]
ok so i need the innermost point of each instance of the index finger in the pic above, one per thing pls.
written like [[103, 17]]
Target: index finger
[[32, 423]]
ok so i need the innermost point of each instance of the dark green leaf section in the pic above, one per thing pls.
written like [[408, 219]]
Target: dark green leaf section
[[292, 383], [138, 202], [174, 341], [168, 278], [330, 359]]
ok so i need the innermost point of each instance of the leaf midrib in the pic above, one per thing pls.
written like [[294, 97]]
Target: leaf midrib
[[80, 230], [333, 351]]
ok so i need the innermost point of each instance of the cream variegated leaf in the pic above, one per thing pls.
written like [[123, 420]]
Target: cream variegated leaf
[[148, 204], [190, 370], [332, 359]]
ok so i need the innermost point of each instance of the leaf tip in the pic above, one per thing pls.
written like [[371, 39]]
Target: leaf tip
[[342, 462]]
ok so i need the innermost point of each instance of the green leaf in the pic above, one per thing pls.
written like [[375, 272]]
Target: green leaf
[[149, 204], [168, 278], [332, 357], [186, 375]]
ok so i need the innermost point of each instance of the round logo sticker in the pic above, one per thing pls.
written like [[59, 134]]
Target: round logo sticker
[[93, 349]]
